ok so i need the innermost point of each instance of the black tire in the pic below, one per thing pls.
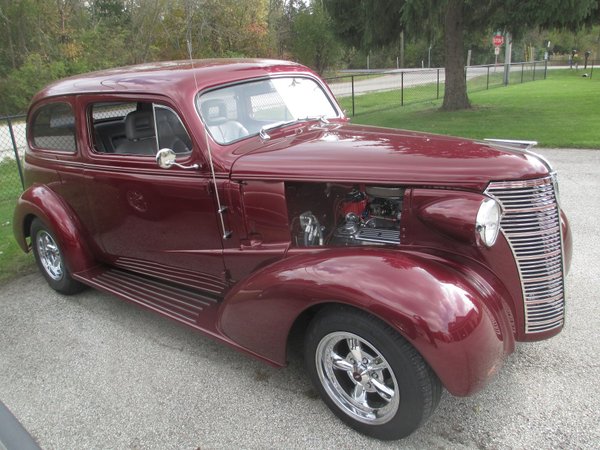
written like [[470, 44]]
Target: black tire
[[50, 260], [413, 389]]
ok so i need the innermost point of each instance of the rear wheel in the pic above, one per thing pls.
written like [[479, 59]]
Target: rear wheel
[[50, 260], [368, 375]]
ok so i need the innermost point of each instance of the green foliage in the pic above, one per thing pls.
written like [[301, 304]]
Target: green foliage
[[42, 40], [314, 43], [518, 16], [366, 23], [35, 73]]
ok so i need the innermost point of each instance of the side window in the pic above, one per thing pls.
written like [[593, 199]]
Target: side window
[[171, 132], [53, 128], [135, 128]]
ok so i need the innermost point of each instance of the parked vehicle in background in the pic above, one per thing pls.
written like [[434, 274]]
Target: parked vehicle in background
[[233, 196]]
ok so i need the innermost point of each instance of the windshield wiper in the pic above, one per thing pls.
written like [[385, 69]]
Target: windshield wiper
[[265, 136], [263, 131]]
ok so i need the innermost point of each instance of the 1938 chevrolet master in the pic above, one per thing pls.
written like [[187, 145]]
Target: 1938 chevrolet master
[[233, 196]]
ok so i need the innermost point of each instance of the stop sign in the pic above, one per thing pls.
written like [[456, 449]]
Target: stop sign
[[498, 40]]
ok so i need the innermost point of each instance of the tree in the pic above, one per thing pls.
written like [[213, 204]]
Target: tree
[[380, 22], [314, 43], [280, 20]]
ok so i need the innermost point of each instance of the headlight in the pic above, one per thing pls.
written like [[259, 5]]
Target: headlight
[[487, 224]]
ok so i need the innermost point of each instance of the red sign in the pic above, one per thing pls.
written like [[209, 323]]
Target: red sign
[[498, 40]]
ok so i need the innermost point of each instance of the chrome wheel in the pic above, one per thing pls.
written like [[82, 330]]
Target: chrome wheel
[[49, 255], [357, 378]]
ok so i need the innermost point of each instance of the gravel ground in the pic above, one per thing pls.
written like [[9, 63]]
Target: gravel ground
[[91, 371]]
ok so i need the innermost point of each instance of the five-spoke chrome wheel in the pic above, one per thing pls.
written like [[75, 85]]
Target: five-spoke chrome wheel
[[368, 374], [49, 255], [356, 376], [51, 260]]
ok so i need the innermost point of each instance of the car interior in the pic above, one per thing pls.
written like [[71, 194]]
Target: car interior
[[129, 129]]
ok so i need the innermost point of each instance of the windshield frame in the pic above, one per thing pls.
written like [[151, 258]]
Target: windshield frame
[[320, 83]]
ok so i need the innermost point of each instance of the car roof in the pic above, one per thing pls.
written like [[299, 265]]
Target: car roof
[[168, 77]]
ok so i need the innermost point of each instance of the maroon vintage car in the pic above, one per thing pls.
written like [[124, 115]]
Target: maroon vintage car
[[233, 196]]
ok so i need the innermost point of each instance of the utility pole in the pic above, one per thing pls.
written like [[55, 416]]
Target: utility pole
[[402, 49], [507, 58], [429, 57]]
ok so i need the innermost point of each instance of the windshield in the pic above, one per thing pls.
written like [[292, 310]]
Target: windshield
[[234, 112]]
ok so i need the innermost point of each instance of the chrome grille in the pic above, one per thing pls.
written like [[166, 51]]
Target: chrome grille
[[531, 224]]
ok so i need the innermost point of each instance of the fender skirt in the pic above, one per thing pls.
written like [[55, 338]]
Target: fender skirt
[[453, 314], [41, 202]]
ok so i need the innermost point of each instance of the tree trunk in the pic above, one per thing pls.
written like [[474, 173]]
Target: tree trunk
[[455, 94]]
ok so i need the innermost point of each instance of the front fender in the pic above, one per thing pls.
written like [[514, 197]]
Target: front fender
[[451, 313], [40, 201]]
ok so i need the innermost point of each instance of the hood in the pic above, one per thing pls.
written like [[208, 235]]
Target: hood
[[350, 153]]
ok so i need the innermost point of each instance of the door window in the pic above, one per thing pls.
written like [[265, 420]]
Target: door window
[[137, 128]]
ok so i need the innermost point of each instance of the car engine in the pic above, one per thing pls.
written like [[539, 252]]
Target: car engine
[[361, 215]]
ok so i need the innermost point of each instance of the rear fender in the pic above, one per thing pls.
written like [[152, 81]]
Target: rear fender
[[40, 201], [451, 313]]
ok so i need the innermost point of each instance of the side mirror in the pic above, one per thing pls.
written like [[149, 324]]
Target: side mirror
[[165, 159]]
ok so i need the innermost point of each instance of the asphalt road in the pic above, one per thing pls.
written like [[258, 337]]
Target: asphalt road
[[91, 371], [391, 81]]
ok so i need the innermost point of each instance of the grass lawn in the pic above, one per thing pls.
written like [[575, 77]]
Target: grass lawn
[[12, 259], [390, 100], [561, 111]]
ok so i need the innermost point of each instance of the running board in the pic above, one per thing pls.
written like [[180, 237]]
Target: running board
[[184, 305], [179, 303]]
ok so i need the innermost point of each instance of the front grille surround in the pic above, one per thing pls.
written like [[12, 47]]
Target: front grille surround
[[532, 227]]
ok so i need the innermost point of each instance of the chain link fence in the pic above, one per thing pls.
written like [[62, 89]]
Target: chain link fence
[[408, 86], [12, 149]]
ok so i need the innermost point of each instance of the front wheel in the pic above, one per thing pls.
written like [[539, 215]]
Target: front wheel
[[50, 260], [368, 375]]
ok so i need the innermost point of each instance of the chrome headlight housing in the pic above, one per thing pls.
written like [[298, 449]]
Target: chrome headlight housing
[[487, 224]]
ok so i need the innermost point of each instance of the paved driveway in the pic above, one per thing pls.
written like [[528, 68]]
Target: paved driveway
[[91, 371]]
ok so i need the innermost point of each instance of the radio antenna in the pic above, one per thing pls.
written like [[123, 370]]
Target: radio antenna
[[189, 41], [221, 209]]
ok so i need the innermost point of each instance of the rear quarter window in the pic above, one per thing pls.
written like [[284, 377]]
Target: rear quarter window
[[53, 128]]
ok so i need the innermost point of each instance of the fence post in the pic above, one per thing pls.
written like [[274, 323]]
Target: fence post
[[438, 84], [522, 71], [352, 78], [401, 88], [487, 81], [546, 68], [534, 71], [15, 149]]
